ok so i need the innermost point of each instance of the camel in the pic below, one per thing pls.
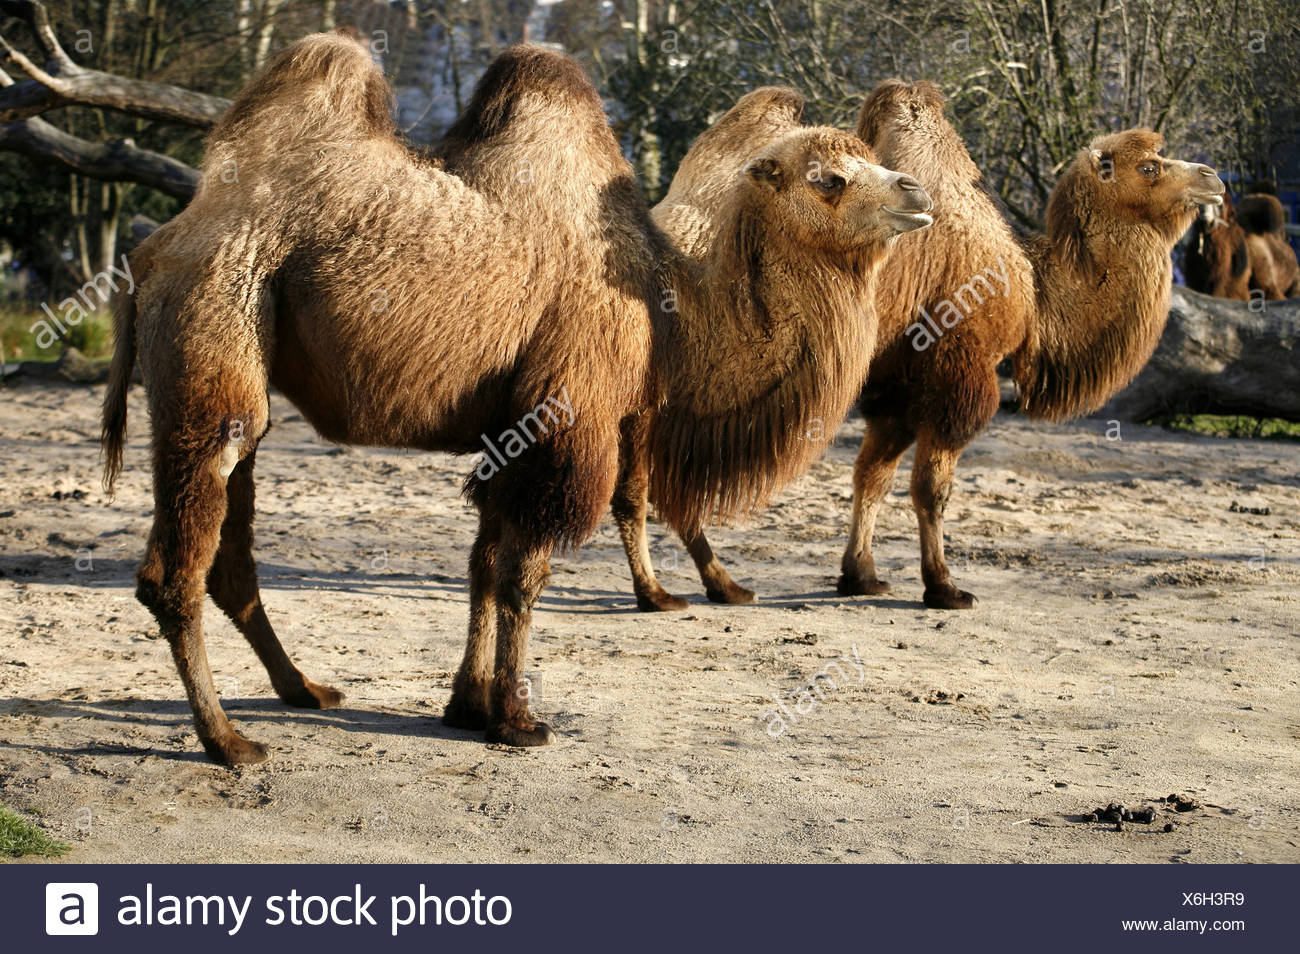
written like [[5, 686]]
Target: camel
[[787, 430], [1274, 270], [410, 302], [1217, 261], [1079, 309]]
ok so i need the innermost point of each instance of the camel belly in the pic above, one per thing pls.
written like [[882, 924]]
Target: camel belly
[[353, 392]]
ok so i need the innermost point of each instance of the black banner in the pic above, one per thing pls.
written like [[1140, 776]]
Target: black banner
[[648, 908]]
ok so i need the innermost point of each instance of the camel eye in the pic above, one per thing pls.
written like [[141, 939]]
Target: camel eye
[[829, 186], [1149, 170]]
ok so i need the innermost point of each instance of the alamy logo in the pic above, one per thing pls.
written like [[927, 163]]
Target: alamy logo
[[72, 907]]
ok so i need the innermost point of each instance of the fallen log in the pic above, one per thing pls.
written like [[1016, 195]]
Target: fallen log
[[1219, 357]]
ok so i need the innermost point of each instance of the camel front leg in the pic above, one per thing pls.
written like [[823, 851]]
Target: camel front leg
[[718, 584], [471, 696], [931, 486], [885, 442], [629, 506], [522, 571]]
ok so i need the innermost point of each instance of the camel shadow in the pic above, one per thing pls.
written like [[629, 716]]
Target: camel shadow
[[175, 714], [102, 749], [830, 597], [106, 573]]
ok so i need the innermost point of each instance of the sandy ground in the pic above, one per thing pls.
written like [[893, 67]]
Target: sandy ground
[[1135, 637]]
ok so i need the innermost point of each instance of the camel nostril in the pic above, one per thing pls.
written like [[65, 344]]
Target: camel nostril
[[908, 184], [1207, 171]]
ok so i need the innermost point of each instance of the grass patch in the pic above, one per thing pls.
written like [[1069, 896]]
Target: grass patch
[[1233, 425], [20, 837], [93, 337]]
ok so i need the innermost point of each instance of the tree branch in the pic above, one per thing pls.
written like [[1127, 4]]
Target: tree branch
[[63, 83], [117, 161]]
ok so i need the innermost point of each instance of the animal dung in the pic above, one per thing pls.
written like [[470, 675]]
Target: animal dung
[[1182, 803], [1116, 814]]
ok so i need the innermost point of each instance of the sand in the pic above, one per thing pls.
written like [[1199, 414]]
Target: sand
[[1135, 637]]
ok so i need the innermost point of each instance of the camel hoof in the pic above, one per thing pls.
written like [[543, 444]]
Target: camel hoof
[[462, 714], [948, 597], [660, 602], [313, 696], [539, 733], [236, 750], [856, 586], [732, 593]]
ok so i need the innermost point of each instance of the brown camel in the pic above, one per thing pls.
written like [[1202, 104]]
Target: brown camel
[[1080, 309], [1274, 271], [1217, 260], [778, 437], [401, 304]]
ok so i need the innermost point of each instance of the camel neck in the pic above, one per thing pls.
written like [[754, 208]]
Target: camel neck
[[767, 353], [1101, 308]]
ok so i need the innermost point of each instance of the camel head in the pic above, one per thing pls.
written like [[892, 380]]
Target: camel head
[[1147, 185], [826, 190]]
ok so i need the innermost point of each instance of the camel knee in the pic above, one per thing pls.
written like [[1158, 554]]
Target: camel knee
[[521, 593], [931, 500], [171, 603]]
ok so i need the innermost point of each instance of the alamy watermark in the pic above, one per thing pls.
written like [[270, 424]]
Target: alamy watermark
[[528, 430], [73, 310], [952, 310], [804, 699]]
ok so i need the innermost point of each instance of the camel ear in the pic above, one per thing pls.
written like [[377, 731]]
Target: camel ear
[[766, 171]]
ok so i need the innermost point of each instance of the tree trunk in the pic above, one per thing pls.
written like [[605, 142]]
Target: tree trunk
[[1219, 357]]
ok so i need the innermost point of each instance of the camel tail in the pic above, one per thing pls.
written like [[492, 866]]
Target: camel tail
[[325, 87], [113, 437]]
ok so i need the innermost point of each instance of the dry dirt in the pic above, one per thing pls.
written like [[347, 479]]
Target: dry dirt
[[1135, 638]]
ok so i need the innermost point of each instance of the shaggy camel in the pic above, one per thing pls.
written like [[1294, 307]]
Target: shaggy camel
[[1274, 270], [400, 304], [1217, 261], [789, 429], [1080, 309]]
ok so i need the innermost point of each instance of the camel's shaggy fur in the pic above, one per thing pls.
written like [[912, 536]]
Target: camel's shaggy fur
[[1080, 309], [777, 354], [412, 303]]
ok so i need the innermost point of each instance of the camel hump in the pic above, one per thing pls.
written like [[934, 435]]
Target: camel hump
[[773, 103], [522, 74], [757, 118], [719, 154], [892, 95], [323, 87], [1260, 214]]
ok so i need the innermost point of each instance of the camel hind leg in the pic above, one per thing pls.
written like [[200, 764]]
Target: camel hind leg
[[931, 487], [193, 456], [886, 440], [232, 582]]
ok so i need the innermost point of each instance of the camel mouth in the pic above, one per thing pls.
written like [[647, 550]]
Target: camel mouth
[[1207, 198], [909, 221]]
